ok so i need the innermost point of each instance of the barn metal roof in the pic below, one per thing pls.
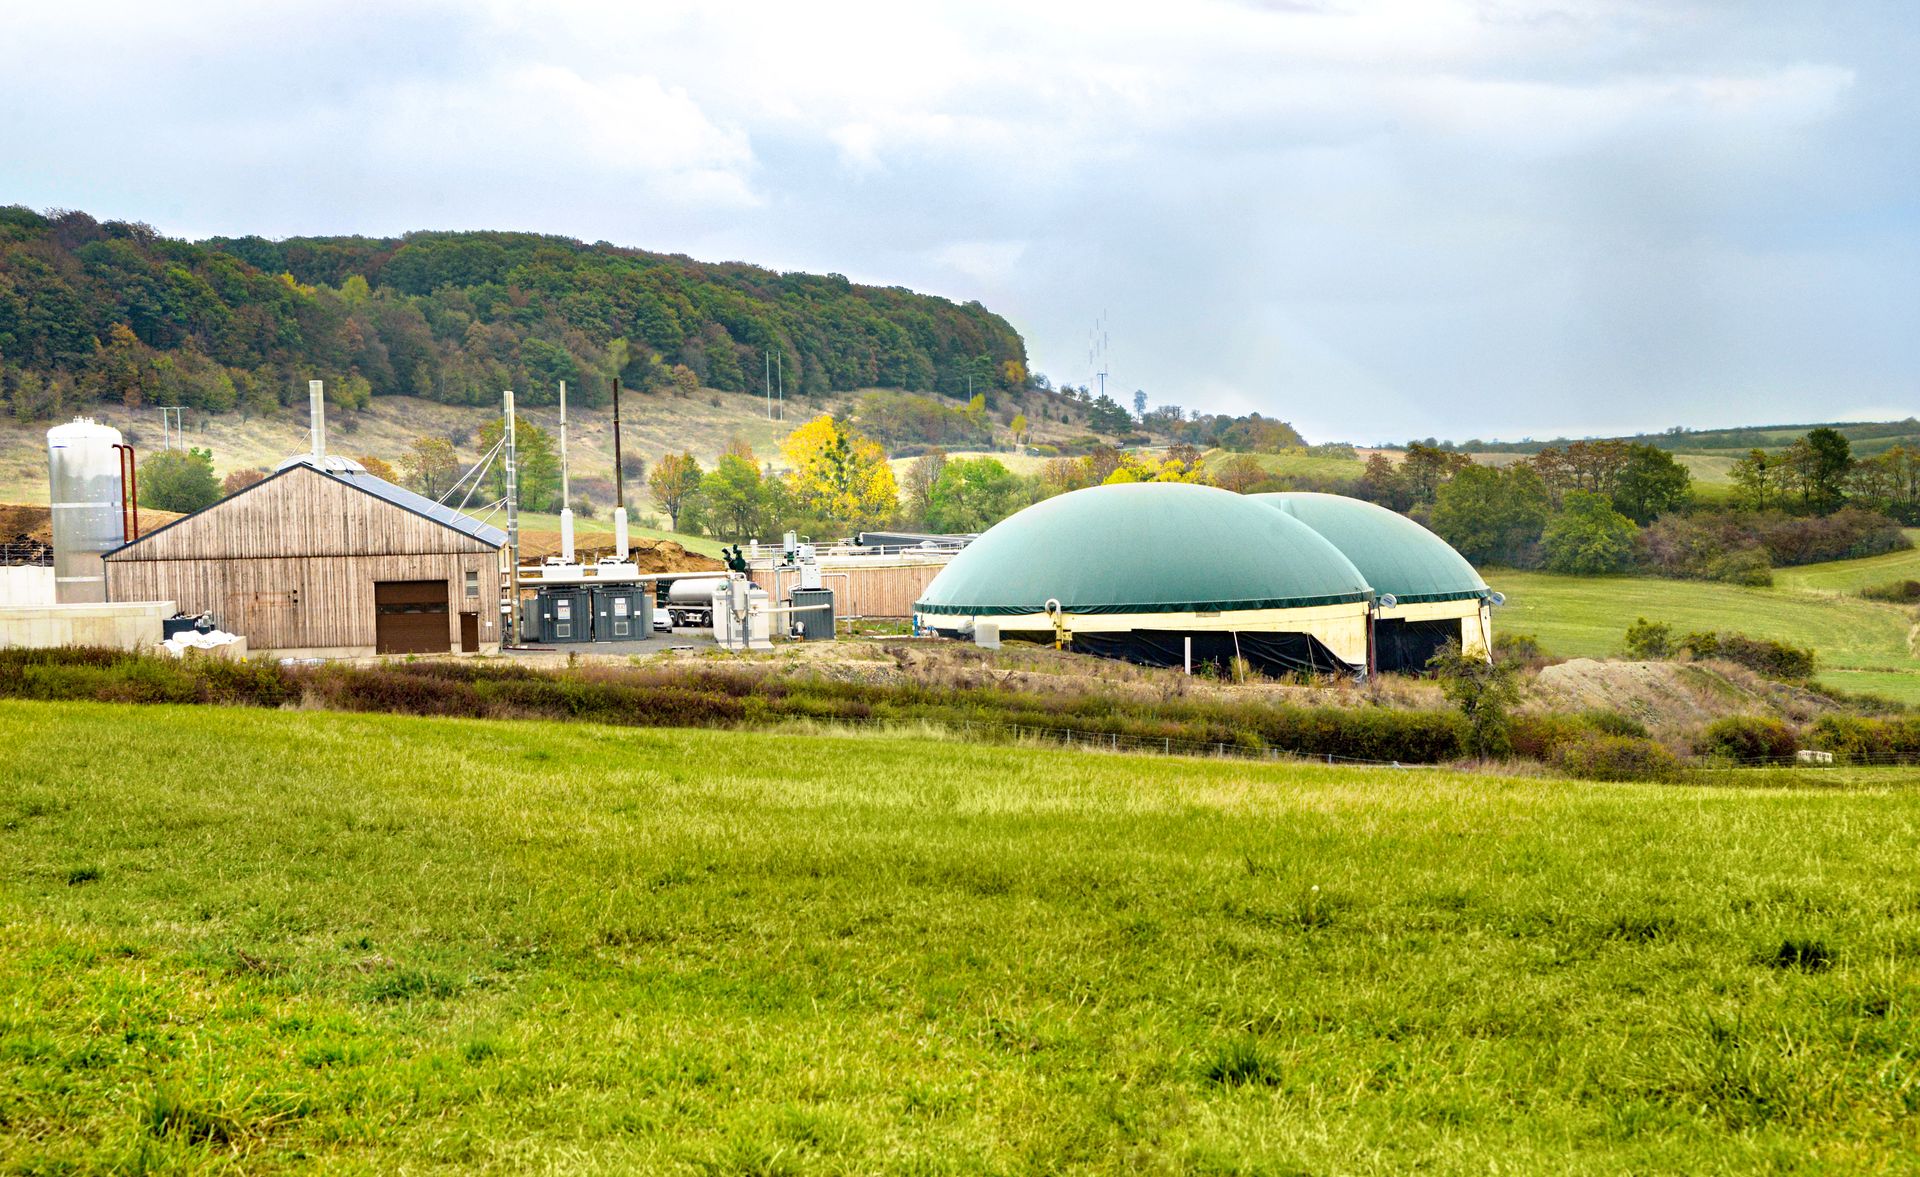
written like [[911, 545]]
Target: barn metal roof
[[419, 504], [360, 480]]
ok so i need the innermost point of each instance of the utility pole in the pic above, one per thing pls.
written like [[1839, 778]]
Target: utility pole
[[766, 361], [780, 376], [512, 626], [173, 426]]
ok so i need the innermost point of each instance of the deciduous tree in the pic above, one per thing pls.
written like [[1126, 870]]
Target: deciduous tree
[[674, 477], [430, 465], [840, 475], [178, 480]]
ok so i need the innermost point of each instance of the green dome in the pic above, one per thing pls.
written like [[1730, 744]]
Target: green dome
[[1396, 555], [1144, 547]]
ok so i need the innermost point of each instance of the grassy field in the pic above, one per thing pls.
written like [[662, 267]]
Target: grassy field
[[1861, 645], [1850, 576], [373, 944], [1307, 465]]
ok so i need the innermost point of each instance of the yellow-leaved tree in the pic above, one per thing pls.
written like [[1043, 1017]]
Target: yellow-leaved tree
[[839, 475]]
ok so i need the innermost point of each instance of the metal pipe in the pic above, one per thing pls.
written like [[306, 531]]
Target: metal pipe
[[566, 498], [851, 614], [317, 418], [620, 550], [129, 493], [508, 441]]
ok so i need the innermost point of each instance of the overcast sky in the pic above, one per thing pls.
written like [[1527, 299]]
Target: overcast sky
[[1378, 220]]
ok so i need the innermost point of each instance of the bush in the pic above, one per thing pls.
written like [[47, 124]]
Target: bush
[[1747, 739], [178, 480], [1541, 735], [1763, 656], [1900, 592], [1589, 537], [1521, 649], [1733, 545], [1649, 641], [1857, 740], [1612, 723], [1617, 758], [1749, 567], [1484, 691]]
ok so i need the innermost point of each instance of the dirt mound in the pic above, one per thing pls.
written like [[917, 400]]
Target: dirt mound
[[664, 555], [652, 555], [1669, 694], [20, 522]]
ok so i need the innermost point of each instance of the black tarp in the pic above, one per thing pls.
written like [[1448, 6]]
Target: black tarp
[[1268, 653], [1405, 646]]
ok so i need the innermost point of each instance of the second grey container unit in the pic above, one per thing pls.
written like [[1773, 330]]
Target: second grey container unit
[[564, 614], [814, 625], [622, 612]]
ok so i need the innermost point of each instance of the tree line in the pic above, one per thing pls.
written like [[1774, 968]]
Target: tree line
[[1616, 506], [112, 311]]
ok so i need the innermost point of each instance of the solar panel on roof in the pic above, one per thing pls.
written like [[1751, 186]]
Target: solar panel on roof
[[420, 504]]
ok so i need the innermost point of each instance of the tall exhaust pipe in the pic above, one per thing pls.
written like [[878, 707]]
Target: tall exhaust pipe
[[510, 458], [317, 415], [619, 484], [566, 497]]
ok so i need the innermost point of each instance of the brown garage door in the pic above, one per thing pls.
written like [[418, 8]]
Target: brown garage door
[[410, 617]]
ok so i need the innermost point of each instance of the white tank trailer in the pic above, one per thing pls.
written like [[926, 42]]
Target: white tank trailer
[[86, 465]]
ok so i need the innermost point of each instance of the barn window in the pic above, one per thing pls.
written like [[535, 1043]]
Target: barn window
[[473, 583]]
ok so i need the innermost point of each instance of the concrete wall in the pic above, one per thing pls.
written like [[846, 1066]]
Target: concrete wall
[[27, 584], [126, 625]]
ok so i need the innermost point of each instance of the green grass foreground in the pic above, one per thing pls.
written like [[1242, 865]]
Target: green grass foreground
[[256, 940]]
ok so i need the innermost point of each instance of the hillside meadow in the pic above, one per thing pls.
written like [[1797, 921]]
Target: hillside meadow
[[1861, 645], [255, 941]]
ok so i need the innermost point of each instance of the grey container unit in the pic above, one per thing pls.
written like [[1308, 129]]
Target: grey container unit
[[814, 625], [622, 612], [564, 614]]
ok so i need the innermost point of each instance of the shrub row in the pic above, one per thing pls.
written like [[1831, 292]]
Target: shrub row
[[1600, 745], [1900, 592], [681, 696], [1858, 740], [1742, 547], [1778, 660]]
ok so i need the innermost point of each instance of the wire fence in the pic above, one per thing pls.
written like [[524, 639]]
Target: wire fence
[[26, 555]]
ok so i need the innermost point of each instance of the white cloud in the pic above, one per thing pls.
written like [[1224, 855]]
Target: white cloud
[[1378, 217]]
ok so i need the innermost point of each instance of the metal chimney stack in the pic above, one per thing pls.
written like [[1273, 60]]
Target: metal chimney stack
[[566, 493], [317, 414]]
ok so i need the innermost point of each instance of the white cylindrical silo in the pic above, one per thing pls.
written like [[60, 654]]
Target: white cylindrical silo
[[84, 472]]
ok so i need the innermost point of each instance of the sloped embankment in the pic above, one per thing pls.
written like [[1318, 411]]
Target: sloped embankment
[[1669, 694]]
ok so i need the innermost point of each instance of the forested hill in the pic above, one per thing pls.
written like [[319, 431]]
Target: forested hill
[[93, 311]]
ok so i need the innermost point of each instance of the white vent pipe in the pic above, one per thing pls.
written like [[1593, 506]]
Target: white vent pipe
[[317, 416], [566, 497]]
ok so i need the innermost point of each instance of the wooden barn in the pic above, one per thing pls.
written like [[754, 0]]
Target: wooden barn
[[331, 562]]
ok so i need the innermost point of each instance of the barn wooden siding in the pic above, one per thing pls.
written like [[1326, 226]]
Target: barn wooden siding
[[291, 564], [884, 591]]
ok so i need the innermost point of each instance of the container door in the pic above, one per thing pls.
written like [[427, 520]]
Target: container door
[[622, 620]]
